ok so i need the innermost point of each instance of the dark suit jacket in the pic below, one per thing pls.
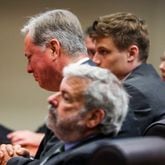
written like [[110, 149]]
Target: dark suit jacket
[[78, 155], [3, 134], [147, 100], [48, 141]]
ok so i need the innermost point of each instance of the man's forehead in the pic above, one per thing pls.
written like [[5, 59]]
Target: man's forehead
[[76, 80], [75, 83]]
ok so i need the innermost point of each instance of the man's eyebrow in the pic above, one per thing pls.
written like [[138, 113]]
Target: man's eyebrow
[[63, 92]]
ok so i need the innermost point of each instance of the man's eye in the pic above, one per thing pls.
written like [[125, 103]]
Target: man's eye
[[103, 52], [91, 52], [66, 97], [29, 58]]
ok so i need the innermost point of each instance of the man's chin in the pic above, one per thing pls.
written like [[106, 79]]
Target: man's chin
[[35, 78], [50, 123]]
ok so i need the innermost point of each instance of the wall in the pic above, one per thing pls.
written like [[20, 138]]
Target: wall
[[22, 103]]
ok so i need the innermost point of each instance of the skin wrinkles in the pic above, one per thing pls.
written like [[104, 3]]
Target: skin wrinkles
[[65, 112], [41, 65]]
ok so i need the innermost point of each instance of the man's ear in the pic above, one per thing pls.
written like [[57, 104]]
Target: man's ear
[[54, 46], [95, 117], [133, 53]]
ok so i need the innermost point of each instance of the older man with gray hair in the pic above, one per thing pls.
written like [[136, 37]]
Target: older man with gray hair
[[53, 39], [90, 106]]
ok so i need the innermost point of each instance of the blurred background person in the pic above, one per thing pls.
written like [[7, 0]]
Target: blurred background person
[[27, 138], [89, 42], [162, 66]]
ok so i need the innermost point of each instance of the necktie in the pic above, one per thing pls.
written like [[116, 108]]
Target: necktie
[[53, 153]]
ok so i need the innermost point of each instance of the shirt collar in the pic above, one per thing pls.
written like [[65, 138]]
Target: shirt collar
[[68, 146], [126, 77], [82, 61]]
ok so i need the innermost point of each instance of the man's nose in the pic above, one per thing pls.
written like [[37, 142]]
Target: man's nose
[[54, 99], [95, 59], [29, 69]]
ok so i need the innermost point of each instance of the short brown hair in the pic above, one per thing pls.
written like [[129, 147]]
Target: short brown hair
[[125, 29]]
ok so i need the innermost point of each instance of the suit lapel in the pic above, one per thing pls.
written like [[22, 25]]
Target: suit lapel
[[55, 150]]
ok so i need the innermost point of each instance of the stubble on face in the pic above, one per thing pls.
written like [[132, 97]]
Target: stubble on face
[[66, 129]]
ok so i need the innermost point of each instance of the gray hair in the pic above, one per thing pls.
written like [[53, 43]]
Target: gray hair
[[104, 91], [60, 24]]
